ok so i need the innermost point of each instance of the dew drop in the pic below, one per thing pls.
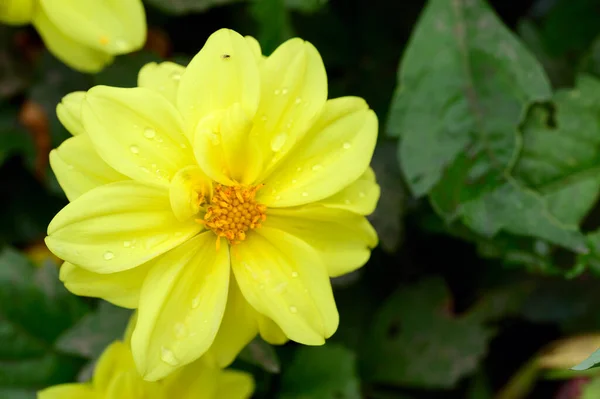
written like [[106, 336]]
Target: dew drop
[[294, 274], [262, 286], [278, 141], [273, 191], [214, 139], [196, 302], [168, 356], [71, 167], [108, 255], [298, 100], [134, 149], [346, 145], [293, 309], [144, 169], [183, 145], [362, 194], [284, 91], [347, 202], [305, 194], [299, 169], [263, 118], [294, 181], [316, 167], [121, 45], [278, 197], [176, 76], [277, 92], [180, 330], [127, 244], [149, 133]]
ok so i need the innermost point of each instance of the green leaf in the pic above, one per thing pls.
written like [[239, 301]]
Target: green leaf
[[591, 390], [34, 309], [93, 333], [261, 354], [591, 362], [274, 26], [306, 6], [465, 83], [178, 7], [325, 372], [414, 340]]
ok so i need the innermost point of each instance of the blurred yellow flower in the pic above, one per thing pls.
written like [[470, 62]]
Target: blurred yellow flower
[[115, 376], [85, 35], [217, 199]]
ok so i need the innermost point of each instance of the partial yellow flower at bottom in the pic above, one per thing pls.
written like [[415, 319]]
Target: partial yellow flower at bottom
[[217, 199], [116, 376], [85, 35]]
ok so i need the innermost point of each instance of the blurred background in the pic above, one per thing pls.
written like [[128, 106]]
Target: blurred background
[[486, 280]]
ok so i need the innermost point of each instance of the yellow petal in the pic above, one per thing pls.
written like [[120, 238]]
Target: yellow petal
[[342, 238], [79, 168], [237, 329], [360, 197], [70, 391], [223, 73], [115, 359], [70, 51], [16, 12], [128, 384], [293, 92], [163, 78], [181, 306], [69, 112], [110, 26], [284, 279], [235, 385], [334, 153], [224, 148], [270, 332], [137, 132], [190, 188], [129, 329], [256, 50], [121, 288], [195, 381], [117, 227]]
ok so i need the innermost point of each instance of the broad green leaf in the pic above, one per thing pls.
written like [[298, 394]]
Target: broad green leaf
[[414, 340], [325, 372], [274, 26], [591, 362], [260, 353], [34, 309], [178, 7], [465, 83], [93, 333], [306, 6]]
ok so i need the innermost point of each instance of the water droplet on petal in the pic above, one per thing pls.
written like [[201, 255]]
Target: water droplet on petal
[[134, 149], [196, 302], [126, 244], [347, 202], [262, 286], [278, 197], [294, 181], [277, 91], [149, 133], [278, 141], [273, 191], [108, 255], [294, 274], [293, 309], [263, 118], [347, 145], [71, 167], [298, 169], [180, 330], [121, 45], [284, 91], [176, 76], [168, 356], [305, 194], [183, 145], [362, 195], [316, 167], [298, 100]]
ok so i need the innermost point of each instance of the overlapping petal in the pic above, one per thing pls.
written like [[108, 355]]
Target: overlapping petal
[[67, 49], [120, 288], [16, 12], [117, 227], [71, 391], [284, 279], [163, 78], [181, 306], [138, 132], [343, 239], [333, 154], [69, 112], [234, 384], [109, 26], [359, 197], [79, 168], [270, 331]]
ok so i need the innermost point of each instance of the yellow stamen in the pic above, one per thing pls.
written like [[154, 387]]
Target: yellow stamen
[[232, 212]]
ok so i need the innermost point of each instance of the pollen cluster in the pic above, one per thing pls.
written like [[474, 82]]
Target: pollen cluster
[[233, 211]]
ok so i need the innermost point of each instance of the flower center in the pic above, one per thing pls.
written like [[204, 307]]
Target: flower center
[[233, 211]]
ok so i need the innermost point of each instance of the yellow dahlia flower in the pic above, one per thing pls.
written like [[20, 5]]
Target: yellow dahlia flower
[[217, 199], [84, 34], [116, 376]]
